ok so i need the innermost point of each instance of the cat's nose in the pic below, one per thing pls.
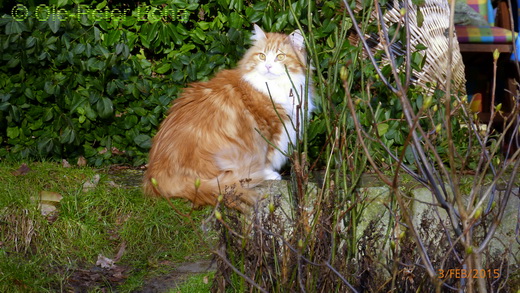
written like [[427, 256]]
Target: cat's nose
[[268, 66]]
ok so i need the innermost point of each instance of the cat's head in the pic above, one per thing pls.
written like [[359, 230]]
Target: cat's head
[[271, 53]]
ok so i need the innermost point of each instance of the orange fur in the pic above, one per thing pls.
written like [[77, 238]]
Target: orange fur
[[216, 133]]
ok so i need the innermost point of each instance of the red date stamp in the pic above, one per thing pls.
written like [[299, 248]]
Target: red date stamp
[[473, 274]]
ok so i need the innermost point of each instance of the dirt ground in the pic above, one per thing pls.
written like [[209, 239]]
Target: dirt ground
[[169, 282]]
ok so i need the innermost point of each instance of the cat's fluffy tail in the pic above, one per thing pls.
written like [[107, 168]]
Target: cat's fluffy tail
[[234, 183]]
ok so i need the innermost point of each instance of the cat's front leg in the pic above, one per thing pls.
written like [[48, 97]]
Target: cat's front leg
[[272, 175]]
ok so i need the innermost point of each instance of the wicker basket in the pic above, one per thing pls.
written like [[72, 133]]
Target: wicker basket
[[433, 33]]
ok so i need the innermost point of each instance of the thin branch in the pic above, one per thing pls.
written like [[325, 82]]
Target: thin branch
[[367, 48], [249, 280]]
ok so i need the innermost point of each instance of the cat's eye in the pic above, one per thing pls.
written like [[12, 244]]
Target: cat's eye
[[261, 56], [280, 57]]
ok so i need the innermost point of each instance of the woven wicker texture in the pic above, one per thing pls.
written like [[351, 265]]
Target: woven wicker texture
[[433, 33]]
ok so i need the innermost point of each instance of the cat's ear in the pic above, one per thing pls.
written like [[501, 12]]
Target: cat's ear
[[297, 41], [258, 34]]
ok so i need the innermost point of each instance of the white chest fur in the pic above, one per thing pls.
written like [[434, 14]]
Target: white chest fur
[[291, 97]]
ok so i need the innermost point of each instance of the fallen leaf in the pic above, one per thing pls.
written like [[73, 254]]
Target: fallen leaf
[[116, 151], [47, 202], [82, 162], [113, 184], [117, 277], [46, 209], [24, 169], [65, 164], [50, 197], [119, 254], [104, 262], [87, 186], [52, 218], [205, 280]]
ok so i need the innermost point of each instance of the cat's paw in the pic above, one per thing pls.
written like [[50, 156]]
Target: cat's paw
[[272, 175]]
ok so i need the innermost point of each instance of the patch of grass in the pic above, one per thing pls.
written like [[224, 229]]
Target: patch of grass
[[196, 283], [57, 252]]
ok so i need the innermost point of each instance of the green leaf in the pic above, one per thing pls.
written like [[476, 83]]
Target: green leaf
[[29, 93], [14, 112], [186, 48], [105, 107], [130, 121], [49, 87], [48, 114], [79, 49], [54, 24], [101, 5], [119, 48], [14, 27], [382, 128], [36, 124], [200, 34], [330, 42], [91, 114], [13, 132], [13, 62], [420, 47], [112, 37], [111, 88], [235, 20], [163, 68], [203, 25], [67, 136], [30, 42], [140, 111], [97, 34], [420, 18], [62, 3], [45, 146], [143, 141], [418, 61]]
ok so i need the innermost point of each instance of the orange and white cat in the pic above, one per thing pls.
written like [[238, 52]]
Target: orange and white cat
[[220, 134]]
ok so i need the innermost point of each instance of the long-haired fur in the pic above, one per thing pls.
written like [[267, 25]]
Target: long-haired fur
[[218, 134]]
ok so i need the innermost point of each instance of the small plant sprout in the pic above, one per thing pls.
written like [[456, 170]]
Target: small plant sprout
[[428, 102], [343, 73], [438, 128], [478, 213], [271, 207], [496, 54]]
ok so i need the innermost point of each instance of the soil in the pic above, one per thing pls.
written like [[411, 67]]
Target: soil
[[171, 281], [83, 280]]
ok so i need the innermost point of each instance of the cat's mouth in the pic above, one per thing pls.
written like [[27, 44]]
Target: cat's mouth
[[271, 75]]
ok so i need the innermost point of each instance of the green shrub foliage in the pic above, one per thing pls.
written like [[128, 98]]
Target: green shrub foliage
[[95, 79]]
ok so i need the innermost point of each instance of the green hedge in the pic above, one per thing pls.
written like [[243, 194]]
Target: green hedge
[[97, 84]]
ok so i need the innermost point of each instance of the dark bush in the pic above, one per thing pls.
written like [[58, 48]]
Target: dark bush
[[97, 83]]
